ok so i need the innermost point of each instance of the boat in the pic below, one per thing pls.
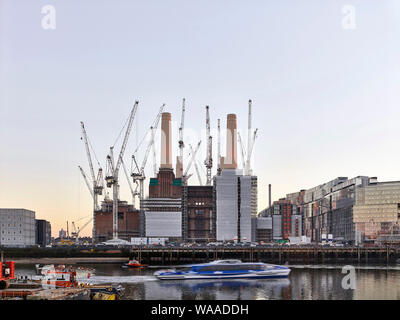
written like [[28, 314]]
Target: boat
[[56, 276], [225, 269], [104, 292], [80, 272], [134, 264], [59, 277]]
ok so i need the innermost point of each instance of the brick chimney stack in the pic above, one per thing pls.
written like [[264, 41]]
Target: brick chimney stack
[[166, 146], [230, 160]]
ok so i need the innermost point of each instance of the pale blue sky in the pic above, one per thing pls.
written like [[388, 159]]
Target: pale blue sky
[[325, 99]]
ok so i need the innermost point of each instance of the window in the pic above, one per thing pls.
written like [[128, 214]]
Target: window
[[232, 267]]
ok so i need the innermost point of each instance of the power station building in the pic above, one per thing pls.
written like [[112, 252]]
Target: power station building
[[163, 208], [198, 214], [224, 211], [128, 221], [235, 194]]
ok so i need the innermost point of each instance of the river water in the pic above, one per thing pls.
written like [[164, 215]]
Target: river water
[[306, 282]]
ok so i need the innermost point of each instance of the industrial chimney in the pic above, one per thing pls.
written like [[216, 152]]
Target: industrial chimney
[[166, 146], [230, 160], [269, 196]]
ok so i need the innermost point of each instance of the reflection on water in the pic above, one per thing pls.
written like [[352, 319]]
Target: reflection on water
[[304, 283]]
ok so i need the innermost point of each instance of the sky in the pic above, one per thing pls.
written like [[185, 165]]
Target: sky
[[324, 81]]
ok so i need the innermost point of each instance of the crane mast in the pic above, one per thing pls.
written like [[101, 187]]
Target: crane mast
[[251, 148], [113, 180], [208, 161], [85, 139], [179, 160], [98, 185], [247, 167], [219, 148]]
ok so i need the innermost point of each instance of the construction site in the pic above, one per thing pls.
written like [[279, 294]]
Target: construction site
[[173, 210]]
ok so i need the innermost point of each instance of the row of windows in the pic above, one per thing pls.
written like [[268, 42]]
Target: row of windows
[[232, 267], [9, 232]]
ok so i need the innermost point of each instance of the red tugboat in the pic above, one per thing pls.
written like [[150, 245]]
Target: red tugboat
[[134, 264], [7, 273]]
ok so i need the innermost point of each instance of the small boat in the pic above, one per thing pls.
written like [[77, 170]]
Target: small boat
[[134, 264], [101, 292], [59, 277], [225, 269], [80, 272]]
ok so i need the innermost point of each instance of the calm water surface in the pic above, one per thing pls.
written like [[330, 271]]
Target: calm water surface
[[306, 282]]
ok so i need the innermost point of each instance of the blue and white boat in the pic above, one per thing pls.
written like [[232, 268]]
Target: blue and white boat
[[225, 269]]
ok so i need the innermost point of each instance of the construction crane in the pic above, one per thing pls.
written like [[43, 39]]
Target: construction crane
[[139, 175], [185, 176], [179, 161], [208, 162], [134, 193], [196, 166], [87, 182], [249, 172], [112, 178], [98, 184], [242, 152], [219, 148], [250, 141], [249, 133], [76, 232]]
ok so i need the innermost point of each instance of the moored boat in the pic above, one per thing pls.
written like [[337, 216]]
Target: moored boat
[[225, 269], [80, 272], [134, 264]]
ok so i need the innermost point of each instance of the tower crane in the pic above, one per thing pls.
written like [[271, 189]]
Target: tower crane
[[250, 141], [134, 193], [98, 185], [243, 152], [196, 166], [219, 148], [87, 182], [112, 178], [153, 148], [208, 162], [179, 170], [185, 176], [249, 172], [139, 175], [247, 168], [75, 233]]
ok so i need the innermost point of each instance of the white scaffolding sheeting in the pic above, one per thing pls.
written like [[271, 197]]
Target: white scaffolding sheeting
[[245, 208], [163, 224], [227, 205]]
